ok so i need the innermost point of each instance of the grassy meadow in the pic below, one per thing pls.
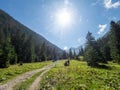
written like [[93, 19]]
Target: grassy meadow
[[79, 76], [7, 74]]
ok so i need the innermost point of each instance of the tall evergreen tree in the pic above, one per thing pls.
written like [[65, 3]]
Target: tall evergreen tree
[[81, 51], [43, 52], [70, 54], [115, 41], [92, 53], [91, 56], [103, 44], [7, 54], [65, 55], [74, 55], [28, 50]]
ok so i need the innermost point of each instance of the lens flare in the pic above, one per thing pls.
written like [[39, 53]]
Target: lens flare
[[63, 17]]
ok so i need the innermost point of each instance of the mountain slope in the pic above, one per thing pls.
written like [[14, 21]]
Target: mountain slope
[[7, 19], [23, 37]]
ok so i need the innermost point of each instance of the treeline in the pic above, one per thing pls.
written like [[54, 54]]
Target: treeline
[[104, 49], [18, 43], [15, 47], [73, 53]]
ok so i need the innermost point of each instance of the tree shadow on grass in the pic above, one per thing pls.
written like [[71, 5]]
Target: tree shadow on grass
[[104, 67], [101, 66]]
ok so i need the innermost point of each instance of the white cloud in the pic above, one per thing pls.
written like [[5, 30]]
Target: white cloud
[[102, 28], [65, 48], [108, 4]]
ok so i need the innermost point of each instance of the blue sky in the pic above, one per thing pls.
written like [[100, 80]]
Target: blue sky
[[86, 15]]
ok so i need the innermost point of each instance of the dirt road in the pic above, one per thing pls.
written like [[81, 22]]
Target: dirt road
[[9, 85], [35, 84]]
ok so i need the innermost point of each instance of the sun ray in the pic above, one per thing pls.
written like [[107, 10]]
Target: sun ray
[[63, 17]]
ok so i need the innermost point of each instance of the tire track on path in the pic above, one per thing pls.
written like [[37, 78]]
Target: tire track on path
[[9, 85]]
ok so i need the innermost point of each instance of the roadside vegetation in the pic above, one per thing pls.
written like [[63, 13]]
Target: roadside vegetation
[[79, 76], [15, 70]]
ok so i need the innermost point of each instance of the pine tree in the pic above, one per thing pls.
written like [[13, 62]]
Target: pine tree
[[105, 50], [7, 53], [91, 56], [18, 41], [32, 50], [13, 58], [81, 51], [115, 41], [104, 46], [92, 53], [74, 55], [65, 55], [43, 52], [70, 54]]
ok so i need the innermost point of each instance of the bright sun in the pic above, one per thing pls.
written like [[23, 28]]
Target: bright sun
[[63, 17]]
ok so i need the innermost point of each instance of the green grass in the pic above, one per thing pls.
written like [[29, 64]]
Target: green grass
[[79, 76], [26, 84], [7, 74]]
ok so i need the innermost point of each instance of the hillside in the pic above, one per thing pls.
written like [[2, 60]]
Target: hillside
[[24, 40], [7, 21]]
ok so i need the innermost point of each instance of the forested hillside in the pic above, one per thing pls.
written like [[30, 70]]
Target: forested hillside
[[19, 43]]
